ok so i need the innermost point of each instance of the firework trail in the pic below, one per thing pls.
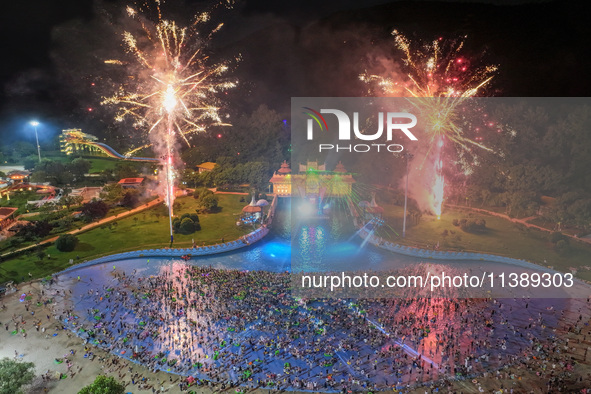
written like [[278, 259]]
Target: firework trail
[[439, 79], [171, 88]]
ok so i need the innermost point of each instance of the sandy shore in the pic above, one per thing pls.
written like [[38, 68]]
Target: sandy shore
[[43, 348]]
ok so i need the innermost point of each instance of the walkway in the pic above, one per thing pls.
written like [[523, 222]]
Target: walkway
[[90, 226], [523, 221]]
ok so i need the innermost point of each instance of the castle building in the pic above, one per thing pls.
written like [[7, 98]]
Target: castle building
[[312, 181]]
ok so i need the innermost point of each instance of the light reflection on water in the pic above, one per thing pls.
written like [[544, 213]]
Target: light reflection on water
[[299, 245], [319, 245]]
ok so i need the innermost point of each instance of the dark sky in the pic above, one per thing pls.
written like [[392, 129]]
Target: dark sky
[[26, 26], [297, 48]]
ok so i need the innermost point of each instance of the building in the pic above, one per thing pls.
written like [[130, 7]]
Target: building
[[281, 180], [252, 213], [131, 183], [313, 181], [18, 176], [7, 217], [87, 193], [206, 167], [312, 166], [74, 141]]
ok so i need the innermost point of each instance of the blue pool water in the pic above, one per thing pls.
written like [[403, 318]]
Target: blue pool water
[[318, 245]]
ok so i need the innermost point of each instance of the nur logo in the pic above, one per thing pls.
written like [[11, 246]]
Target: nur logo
[[395, 121], [318, 118], [392, 123]]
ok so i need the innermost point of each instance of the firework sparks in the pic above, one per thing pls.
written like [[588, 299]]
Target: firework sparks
[[172, 80], [439, 186], [439, 79], [171, 90], [437, 69]]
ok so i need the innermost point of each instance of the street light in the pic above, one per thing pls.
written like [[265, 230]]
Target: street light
[[34, 123]]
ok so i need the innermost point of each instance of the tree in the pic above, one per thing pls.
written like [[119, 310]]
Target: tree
[[545, 154], [187, 226], [103, 385], [227, 176], [256, 174], [66, 243], [206, 199], [562, 247], [131, 198], [193, 216], [197, 193], [14, 375], [30, 162], [79, 167], [191, 177], [38, 229], [557, 236], [206, 179], [47, 207], [107, 175], [22, 149], [39, 176], [473, 226], [125, 170], [95, 209], [209, 202], [192, 157], [112, 194], [53, 171], [69, 200], [261, 135]]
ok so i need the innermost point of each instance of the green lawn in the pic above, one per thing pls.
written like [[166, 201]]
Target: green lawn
[[100, 164], [18, 199], [502, 237], [56, 155], [149, 229], [146, 230]]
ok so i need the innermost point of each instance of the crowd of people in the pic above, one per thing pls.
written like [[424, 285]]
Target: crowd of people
[[231, 328]]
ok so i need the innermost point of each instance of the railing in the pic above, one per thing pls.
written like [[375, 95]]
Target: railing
[[242, 242], [271, 212], [38, 203], [446, 255]]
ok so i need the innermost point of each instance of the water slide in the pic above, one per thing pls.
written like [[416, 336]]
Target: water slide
[[114, 154], [71, 138]]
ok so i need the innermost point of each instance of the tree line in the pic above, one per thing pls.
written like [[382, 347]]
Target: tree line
[[539, 164]]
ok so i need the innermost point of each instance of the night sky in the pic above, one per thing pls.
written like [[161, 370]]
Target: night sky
[[298, 48]]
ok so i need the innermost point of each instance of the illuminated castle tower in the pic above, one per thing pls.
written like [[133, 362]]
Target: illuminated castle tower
[[281, 180]]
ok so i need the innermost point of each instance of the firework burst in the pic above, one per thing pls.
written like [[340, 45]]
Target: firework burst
[[170, 77], [439, 79], [437, 69], [171, 90]]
